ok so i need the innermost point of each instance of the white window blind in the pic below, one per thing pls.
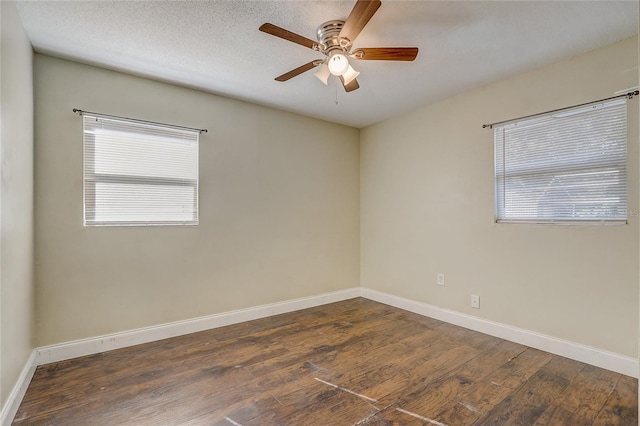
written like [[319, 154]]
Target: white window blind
[[138, 173], [569, 166]]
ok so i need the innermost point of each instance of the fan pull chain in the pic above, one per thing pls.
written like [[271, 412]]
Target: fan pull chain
[[336, 93]]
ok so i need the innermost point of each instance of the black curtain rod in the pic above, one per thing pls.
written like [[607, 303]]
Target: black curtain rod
[[628, 95], [98, 114]]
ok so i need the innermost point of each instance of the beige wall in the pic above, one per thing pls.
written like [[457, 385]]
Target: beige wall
[[16, 195], [279, 211], [427, 204]]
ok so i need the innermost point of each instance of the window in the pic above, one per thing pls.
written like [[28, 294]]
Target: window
[[139, 174], [564, 167]]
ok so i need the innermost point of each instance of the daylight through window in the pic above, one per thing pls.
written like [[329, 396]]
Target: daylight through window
[[565, 167], [139, 174]]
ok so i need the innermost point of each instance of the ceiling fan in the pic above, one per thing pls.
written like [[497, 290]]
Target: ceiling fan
[[335, 41]]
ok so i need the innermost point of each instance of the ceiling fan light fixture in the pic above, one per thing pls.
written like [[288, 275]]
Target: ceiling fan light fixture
[[338, 63], [323, 73], [350, 75], [335, 40]]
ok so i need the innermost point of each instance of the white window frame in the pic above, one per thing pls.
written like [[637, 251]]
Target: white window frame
[[133, 130], [533, 161]]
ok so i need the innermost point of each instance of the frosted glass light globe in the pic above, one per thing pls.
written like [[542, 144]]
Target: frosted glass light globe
[[338, 64]]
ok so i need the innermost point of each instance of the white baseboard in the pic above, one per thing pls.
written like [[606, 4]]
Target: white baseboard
[[12, 403], [77, 348], [576, 351]]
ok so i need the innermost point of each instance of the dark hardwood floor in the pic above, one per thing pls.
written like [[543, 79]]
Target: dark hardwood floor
[[356, 362]]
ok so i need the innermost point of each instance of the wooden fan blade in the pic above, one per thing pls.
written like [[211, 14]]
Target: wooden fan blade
[[297, 71], [351, 86], [386, 53], [287, 35], [358, 18]]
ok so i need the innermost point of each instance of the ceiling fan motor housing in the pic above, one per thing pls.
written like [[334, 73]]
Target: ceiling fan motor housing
[[328, 36]]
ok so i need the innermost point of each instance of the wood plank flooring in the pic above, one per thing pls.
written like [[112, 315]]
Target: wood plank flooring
[[355, 362]]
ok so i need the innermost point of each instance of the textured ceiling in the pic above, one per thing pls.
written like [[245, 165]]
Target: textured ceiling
[[216, 46]]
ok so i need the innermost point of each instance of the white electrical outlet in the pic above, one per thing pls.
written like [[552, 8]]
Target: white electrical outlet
[[475, 301], [440, 281]]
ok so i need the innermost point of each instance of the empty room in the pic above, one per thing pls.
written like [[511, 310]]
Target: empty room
[[311, 212]]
